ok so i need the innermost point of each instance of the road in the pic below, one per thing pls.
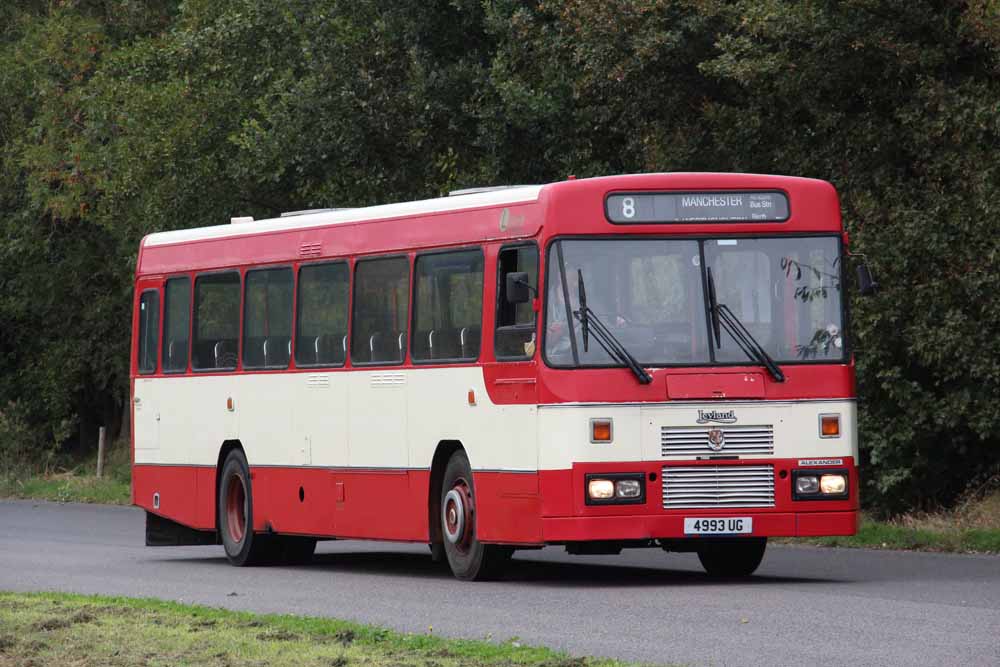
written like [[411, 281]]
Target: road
[[805, 606]]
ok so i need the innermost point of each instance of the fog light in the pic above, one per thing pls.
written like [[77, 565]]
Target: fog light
[[833, 485], [600, 430], [806, 484], [829, 426], [601, 489], [628, 488]]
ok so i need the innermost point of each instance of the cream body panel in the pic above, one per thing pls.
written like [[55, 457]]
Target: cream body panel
[[565, 437], [496, 437], [564, 434], [194, 419], [146, 419], [365, 418], [377, 425], [320, 418]]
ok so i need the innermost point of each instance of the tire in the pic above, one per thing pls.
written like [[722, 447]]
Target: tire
[[732, 558], [234, 509], [469, 559]]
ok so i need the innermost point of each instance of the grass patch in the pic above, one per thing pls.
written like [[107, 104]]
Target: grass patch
[[49, 629], [76, 483], [972, 527]]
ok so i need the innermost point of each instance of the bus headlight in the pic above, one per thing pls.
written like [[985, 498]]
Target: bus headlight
[[807, 484], [619, 488], [819, 485], [628, 488], [600, 489], [833, 485]]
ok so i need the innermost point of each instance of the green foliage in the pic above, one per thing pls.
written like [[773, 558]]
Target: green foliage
[[121, 117]]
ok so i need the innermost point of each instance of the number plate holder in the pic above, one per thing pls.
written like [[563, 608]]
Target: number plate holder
[[718, 525]]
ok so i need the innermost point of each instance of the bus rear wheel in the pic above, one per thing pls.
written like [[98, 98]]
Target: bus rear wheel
[[235, 514], [469, 559], [732, 558]]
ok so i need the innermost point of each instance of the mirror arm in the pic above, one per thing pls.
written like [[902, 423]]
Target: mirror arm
[[529, 286]]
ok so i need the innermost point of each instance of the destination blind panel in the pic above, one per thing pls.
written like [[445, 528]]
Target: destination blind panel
[[680, 207]]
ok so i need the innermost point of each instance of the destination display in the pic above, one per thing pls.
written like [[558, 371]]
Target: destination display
[[667, 207]]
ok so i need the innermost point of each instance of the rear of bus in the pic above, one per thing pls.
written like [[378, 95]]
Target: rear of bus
[[697, 386]]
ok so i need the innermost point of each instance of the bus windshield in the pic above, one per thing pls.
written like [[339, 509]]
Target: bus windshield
[[652, 295]]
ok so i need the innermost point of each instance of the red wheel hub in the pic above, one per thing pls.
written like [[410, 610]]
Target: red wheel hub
[[236, 508], [457, 514]]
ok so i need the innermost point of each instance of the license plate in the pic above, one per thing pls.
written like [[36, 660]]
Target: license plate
[[718, 526]]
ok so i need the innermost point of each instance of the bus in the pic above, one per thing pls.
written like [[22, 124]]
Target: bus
[[652, 360]]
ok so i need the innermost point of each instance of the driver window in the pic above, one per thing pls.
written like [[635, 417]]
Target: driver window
[[515, 326]]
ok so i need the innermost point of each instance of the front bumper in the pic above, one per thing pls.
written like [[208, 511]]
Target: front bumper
[[566, 517], [646, 526]]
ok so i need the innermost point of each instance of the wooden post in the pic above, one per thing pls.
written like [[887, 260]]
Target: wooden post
[[101, 436]]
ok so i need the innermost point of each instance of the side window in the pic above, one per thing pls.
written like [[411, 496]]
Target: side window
[[176, 324], [267, 318], [448, 306], [216, 321], [149, 330], [321, 331], [515, 333], [381, 307]]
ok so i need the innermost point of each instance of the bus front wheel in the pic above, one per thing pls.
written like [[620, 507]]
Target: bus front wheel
[[469, 559], [732, 558]]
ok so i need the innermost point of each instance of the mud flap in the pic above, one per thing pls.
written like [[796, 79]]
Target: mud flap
[[162, 532]]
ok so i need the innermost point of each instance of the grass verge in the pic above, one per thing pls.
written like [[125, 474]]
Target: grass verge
[[75, 483], [972, 527], [49, 629]]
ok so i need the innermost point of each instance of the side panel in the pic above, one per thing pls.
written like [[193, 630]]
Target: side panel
[[176, 487], [343, 453], [377, 426]]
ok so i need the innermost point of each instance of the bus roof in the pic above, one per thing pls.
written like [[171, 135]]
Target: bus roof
[[515, 195], [573, 206]]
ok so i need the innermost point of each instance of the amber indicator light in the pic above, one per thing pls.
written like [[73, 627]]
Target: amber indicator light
[[829, 426], [600, 430]]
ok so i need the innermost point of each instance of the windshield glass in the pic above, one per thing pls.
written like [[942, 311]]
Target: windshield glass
[[651, 295]]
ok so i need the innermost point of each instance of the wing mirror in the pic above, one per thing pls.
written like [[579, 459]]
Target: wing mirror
[[866, 283], [518, 289]]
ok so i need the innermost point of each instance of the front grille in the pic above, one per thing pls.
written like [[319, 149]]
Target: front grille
[[718, 486], [742, 440]]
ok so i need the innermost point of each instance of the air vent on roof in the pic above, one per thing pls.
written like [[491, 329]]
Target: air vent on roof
[[310, 211], [236, 221], [491, 188]]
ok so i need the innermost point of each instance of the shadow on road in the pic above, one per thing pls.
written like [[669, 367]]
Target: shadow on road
[[521, 571]]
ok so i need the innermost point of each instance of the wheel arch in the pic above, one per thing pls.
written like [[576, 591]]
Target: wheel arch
[[439, 462]]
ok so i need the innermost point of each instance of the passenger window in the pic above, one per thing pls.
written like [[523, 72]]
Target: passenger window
[[216, 321], [448, 306], [176, 324], [515, 326], [321, 332], [149, 330], [267, 319], [381, 311]]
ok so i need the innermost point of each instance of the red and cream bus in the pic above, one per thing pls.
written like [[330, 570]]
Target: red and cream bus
[[656, 360]]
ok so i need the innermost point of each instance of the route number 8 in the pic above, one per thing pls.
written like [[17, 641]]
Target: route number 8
[[628, 207]]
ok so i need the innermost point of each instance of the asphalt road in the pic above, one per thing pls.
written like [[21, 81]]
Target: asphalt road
[[806, 606]]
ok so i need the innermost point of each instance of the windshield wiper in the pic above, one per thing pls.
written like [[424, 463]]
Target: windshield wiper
[[724, 318], [591, 323]]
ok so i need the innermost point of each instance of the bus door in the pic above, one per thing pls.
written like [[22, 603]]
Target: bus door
[[145, 407]]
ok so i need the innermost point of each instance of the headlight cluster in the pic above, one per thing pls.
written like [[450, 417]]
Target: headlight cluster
[[819, 484], [615, 489]]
